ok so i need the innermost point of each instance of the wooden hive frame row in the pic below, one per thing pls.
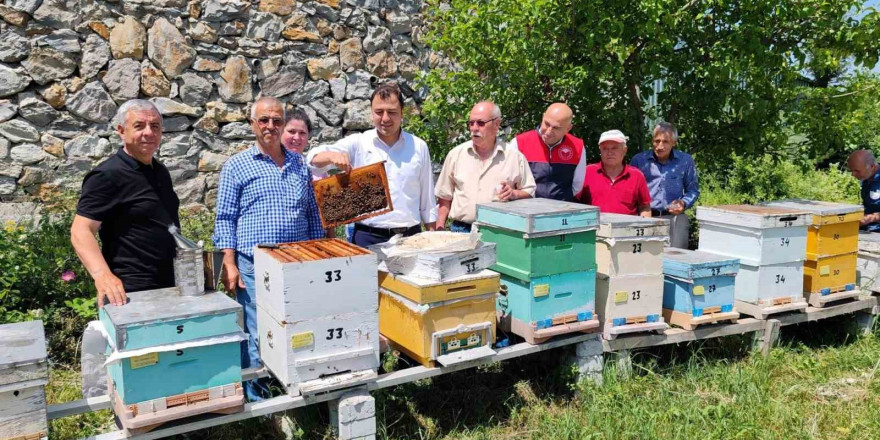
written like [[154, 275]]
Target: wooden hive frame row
[[313, 250]]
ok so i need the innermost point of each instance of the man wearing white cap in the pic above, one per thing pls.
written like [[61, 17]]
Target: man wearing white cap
[[613, 186]]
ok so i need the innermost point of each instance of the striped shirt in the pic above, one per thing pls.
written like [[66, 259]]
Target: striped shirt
[[258, 203]]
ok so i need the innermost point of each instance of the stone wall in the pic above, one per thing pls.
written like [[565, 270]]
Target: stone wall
[[65, 66]]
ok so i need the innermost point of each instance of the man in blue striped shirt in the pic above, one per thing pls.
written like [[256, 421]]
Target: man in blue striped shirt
[[265, 196], [672, 182]]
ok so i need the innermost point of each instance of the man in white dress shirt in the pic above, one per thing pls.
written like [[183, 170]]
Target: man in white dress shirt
[[407, 164]]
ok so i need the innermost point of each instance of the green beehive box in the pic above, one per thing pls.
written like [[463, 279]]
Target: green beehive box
[[540, 237]]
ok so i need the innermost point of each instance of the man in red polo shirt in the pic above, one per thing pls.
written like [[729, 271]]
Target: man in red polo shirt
[[613, 186]]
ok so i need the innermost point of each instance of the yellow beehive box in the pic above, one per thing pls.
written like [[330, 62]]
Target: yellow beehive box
[[424, 291], [447, 332], [835, 273], [834, 229]]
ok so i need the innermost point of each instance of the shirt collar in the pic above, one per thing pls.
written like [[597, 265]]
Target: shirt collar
[[622, 174], [131, 161], [876, 175], [375, 135], [288, 155], [499, 147], [542, 140]]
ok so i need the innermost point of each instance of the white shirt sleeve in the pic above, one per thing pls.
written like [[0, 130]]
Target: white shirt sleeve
[[347, 144], [580, 173], [427, 200]]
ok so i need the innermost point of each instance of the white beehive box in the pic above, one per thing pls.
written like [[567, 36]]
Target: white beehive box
[[301, 354], [759, 234], [314, 279], [23, 376], [440, 267], [630, 245], [317, 314], [630, 303]]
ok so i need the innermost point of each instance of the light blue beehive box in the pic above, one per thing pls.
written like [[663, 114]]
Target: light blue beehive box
[[544, 306], [697, 283], [161, 317]]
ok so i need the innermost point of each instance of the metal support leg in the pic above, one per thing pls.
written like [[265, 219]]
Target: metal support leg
[[590, 360], [353, 416], [865, 320]]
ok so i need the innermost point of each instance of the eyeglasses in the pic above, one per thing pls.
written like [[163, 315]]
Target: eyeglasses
[[479, 123], [265, 121]]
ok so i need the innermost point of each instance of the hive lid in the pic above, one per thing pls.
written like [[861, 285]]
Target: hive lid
[[22, 343], [754, 216], [167, 305], [816, 206], [312, 250], [622, 225], [684, 263], [536, 215]]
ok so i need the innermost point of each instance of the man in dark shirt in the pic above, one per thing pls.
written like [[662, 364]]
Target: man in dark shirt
[[863, 166], [128, 200]]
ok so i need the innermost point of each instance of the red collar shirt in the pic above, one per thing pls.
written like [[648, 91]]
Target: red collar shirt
[[623, 195]]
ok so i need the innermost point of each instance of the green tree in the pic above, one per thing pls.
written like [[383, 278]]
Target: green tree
[[730, 68]]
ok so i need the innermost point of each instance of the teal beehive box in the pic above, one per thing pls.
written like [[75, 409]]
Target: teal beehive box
[[698, 287], [164, 344], [540, 237], [546, 306]]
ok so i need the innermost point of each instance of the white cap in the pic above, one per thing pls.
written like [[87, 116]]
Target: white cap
[[613, 135]]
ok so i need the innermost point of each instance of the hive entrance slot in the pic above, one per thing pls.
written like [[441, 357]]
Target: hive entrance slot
[[326, 375]]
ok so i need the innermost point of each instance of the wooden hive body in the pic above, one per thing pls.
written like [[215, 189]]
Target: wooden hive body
[[442, 267], [540, 237], [630, 245], [543, 298], [769, 283], [422, 291], [832, 273], [757, 235], [445, 331], [627, 299], [834, 227], [316, 278], [317, 311], [154, 320], [698, 281], [23, 377]]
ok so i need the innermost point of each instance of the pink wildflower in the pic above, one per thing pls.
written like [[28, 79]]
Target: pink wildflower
[[68, 276]]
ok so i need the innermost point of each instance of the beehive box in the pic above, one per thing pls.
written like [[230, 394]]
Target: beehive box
[[349, 197], [830, 274], [24, 374], [178, 344], [698, 287], [760, 234], [442, 266], [548, 306], [447, 332], [629, 303], [302, 354], [314, 279], [770, 288], [540, 237], [424, 291], [868, 270], [317, 313], [630, 245], [834, 227]]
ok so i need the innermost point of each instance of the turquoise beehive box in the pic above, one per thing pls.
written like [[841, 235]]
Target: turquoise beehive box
[[166, 344], [540, 237], [698, 287]]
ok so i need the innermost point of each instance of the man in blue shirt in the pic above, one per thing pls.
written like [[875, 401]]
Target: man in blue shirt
[[264, 196], [672, 182], [863, 166]]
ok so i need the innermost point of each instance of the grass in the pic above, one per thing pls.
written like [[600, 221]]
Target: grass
[[819, 383]]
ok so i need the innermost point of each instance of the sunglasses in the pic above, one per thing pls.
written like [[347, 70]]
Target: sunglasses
[[265, 121], [479, 123]]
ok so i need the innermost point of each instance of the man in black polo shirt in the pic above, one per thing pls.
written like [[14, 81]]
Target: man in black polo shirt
[[129, 201]]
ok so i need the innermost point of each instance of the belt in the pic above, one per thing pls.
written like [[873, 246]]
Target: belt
[[386, 232], [659, 212]]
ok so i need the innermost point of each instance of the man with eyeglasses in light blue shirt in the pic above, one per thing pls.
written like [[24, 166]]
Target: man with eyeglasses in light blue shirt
[[672, 182], [264, 196]]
